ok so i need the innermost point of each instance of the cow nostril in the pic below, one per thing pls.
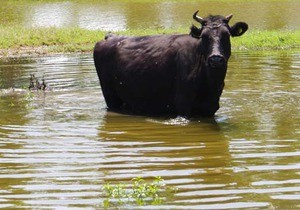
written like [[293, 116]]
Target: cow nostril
[[216, 60]]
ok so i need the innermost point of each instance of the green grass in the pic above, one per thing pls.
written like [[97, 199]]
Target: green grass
[[51, 40], [17, 40], [267, 40]]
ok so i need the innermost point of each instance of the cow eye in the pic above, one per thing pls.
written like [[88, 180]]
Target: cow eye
[[205, 37], [225, 35]]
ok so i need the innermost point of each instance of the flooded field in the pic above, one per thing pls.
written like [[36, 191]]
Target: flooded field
[[119, 15], [58, 148]]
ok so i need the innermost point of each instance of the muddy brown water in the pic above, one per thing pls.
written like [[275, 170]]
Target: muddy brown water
[[58, 148], [136, 14]]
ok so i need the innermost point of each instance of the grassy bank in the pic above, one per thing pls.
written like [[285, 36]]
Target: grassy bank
[[18, 41]]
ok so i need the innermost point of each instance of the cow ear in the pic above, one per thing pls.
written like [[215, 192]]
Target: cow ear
[[195, 32], [238, 29]]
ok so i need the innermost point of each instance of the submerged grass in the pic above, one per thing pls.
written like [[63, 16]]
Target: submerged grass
[[15, 40], [139, 192]]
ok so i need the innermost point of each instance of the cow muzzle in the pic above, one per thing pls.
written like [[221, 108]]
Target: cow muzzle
[[216, 61]]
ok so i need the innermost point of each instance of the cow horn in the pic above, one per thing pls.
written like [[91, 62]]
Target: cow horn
[[228, 17], [198, 18]]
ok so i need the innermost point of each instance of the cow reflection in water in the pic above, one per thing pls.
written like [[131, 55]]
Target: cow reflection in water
[[167, 74], [146, 146], [119, 127]]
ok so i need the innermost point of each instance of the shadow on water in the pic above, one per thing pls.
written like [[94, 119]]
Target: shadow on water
[[114, 121], [166, 145]]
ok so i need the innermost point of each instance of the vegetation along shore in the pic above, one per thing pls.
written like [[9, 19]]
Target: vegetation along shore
[[21, 41]]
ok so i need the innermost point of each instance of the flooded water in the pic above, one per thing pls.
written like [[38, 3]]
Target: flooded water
[[59, 147], [119, 15]]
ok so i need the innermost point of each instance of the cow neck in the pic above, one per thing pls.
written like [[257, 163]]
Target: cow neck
[[212, 86]]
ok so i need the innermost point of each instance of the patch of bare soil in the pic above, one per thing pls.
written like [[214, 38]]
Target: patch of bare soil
[[24, 52]]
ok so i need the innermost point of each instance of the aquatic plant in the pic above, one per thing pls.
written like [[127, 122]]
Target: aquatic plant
[[34, 83], [139, 192]]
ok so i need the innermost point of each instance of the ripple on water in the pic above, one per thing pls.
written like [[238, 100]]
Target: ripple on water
[[59, 148]]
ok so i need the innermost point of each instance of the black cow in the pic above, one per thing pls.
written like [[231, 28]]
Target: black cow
[[167, 74]]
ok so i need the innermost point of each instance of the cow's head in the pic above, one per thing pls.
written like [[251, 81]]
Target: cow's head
[[215, 46]]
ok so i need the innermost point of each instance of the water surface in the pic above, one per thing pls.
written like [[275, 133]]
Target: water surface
[[135, 14], [58, 148]]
